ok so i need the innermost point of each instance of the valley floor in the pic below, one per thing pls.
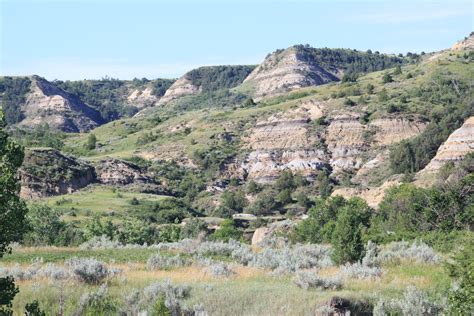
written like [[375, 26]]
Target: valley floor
[[247, 291]]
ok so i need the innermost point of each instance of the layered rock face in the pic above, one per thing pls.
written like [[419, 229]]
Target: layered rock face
[[47, 103], [465, 44], [142, 98], [180, 88], [119, 172], [287, 70], [283, 141], [458, 145], [393, 130], [345, 141], [287, 141], [47, 172]]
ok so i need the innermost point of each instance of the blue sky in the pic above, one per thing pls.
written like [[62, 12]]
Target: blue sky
[[143, 38]]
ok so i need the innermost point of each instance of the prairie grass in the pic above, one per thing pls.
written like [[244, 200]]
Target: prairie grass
[[249, 291]]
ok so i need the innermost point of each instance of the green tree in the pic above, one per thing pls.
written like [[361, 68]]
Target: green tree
[[235, 201], [44, 225], [319, 226], [370, 88], [285, 180], [461, 298], [324, 185], [227, 231], [349, 77], [91, 141], [264, 204], [252, 187], [352, 220], [193, 228], [398, 70], [383, 95], [284, 197], [387, 78], [12, 209]]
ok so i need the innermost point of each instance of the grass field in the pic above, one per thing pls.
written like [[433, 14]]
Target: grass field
[[249, 291], [99, 200]]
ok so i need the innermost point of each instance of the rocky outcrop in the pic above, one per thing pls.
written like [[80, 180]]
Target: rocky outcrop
[[372, 195], [458, 145], [345, 141], [142, 98], [46, 103], [284, 141], [286, 70], [119, 172], [262, 234], [290, 140], [465, 44], [182, 87], [390, 130], [47, 172]]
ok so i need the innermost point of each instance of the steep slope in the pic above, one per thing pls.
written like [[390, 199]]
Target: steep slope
[[48, 172], [302, 66], [458, 145], [349, 129], [465, 44], [45, 103], [286, 70], [206, 79], [115, 98]]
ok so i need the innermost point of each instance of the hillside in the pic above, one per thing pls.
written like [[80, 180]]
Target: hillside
[[347, 131], [302, 66], [320, 180], [75, 106], [30, 102]]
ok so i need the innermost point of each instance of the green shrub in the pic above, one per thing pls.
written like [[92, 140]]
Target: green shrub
[[387, 78], [264, 203], [227, 231], [461, 299], [352, 220], [13, 90], [91, 142], [194, 227], [319, 226], [44, 226]]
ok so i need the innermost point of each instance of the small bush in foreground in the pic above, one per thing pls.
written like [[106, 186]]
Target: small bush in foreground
[[413, 302], [308, 280], [96, 303], [159, 262], [417, 251], [220, 269], [89, 271]]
